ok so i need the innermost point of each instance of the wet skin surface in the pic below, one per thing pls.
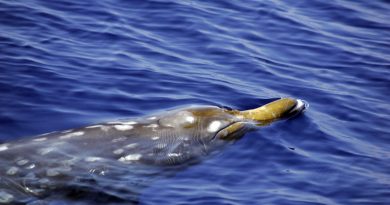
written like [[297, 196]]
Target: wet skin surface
[[74, 160]]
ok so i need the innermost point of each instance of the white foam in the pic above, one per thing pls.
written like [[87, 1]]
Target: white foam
[[155, 138], [300, 103]]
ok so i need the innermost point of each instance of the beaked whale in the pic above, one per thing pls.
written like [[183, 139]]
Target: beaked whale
[[76, 164]]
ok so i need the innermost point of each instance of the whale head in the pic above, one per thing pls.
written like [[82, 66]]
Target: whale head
[[222, 123], [197, 131]]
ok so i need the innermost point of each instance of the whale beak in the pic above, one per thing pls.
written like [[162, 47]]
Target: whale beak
[[276, 110], [279, 109]]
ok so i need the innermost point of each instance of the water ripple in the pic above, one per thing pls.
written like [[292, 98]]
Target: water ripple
[[66, 64]]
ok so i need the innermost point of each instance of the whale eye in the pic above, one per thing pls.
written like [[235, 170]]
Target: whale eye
[[233, 131]]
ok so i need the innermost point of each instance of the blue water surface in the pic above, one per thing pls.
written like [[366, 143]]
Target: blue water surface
[[66, 64]]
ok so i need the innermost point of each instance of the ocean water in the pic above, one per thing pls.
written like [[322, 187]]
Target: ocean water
[[66, 64]]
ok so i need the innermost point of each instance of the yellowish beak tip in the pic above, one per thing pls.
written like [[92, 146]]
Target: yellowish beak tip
[[282, 108]]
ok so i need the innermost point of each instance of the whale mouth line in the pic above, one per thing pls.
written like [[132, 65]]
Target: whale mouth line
[[245, 123], [222, 128]]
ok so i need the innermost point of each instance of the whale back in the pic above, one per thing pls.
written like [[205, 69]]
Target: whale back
[[129, 151]]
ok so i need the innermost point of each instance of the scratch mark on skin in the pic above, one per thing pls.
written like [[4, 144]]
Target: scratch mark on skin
[[113, 123], [5, 197], [129, 123], [174, 154], [31, 166], [94, 126], [12, 171], [45, 151], [132, 145], [118, 151], [105, 128], [74, 134], [161, 146], [40, 139], [93, 159], [130, 157], [214, 126], [152, 125], [190, 119], [52, 172], [66, 131], [3, 147], [120, 139], [22, 162], [123, 127]]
